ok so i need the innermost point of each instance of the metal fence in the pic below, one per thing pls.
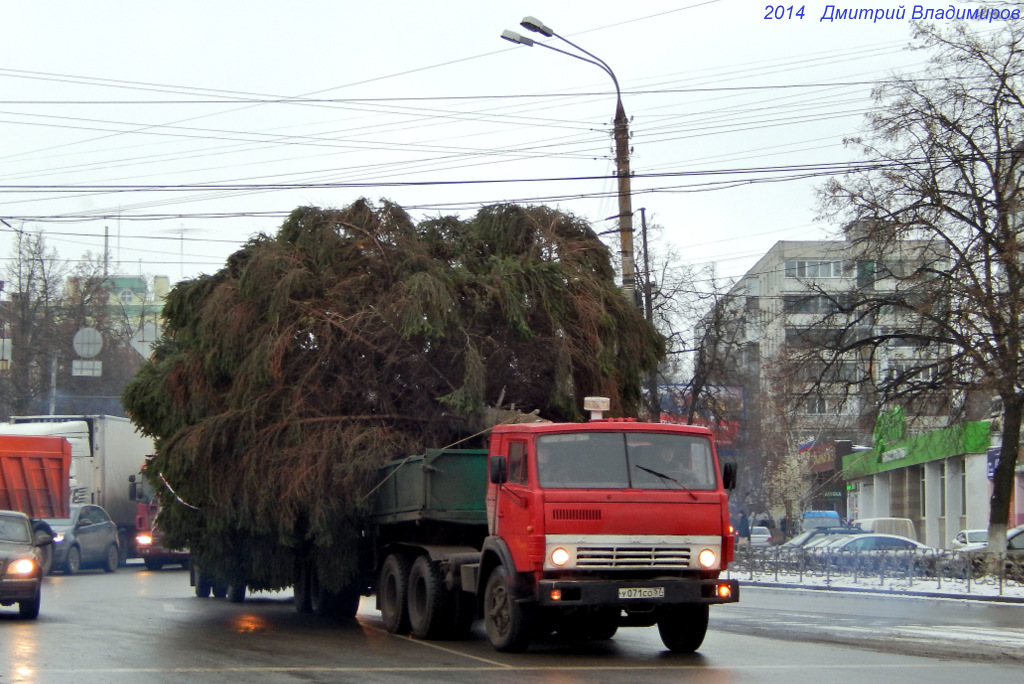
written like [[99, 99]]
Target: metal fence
[[933, 570]]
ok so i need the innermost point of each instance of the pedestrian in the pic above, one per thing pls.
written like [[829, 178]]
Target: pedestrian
[[744, 528], [784, 525]]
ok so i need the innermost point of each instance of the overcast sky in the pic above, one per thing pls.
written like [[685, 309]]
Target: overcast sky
[[421, 103]]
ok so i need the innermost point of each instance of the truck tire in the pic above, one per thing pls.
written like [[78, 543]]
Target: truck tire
[[392, 590], [73, 563], [431, 605], [153, 564], [203, 585], [303, 569], [682, 627], [348, 603], [219, 588], [509, 623], [112, 559], [30, 609], [236, 592]]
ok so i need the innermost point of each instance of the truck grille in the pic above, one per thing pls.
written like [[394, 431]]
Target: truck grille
[[631, 556]]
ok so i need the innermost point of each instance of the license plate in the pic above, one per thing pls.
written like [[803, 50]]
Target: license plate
[[641, 592]]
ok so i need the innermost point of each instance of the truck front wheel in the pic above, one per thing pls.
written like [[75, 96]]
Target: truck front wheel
[[509, 623], [683, 627], [392, 593]]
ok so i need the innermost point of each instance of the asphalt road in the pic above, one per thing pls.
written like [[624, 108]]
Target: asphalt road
[[143, 626]]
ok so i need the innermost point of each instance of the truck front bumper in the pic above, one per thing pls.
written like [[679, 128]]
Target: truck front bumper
[[636, 593]]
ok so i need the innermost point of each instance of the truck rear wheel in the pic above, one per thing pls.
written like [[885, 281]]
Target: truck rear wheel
[[509, 623], [431, 605], [683, 627], [392, 593]]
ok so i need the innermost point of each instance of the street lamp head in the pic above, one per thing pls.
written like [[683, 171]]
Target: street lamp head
[[514, 37], [537, 26]]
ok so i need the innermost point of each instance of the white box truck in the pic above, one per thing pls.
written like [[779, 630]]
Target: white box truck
[[105, 451]]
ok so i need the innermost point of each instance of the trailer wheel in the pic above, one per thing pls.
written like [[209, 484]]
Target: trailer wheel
[[683, 627], [431, 605], [509, 623], [203, 586], [303, 570], [392, 591], [348, 603], [219, 588], [236, 592]]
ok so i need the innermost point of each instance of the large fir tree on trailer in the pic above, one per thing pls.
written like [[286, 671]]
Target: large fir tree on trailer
[[354, 336]]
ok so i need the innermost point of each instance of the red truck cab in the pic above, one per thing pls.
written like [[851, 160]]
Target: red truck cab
[[607, 523]]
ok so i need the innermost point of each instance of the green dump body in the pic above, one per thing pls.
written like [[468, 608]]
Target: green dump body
[[443, 485]]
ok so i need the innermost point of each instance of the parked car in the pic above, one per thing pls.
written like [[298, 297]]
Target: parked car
[[903, 527], [871, 552], [818, 533], [88, 539], [760, 536], [21, 563], [970, 540]]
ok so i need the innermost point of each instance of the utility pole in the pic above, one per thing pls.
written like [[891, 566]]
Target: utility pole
[[654, 405]]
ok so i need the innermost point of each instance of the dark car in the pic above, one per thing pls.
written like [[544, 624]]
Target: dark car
[[21, 561], [88, 539]]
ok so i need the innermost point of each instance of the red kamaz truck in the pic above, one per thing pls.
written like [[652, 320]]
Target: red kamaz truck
[[574, 528], [148, 541]]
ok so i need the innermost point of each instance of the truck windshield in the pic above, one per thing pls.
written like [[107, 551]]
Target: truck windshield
[[625, 460]]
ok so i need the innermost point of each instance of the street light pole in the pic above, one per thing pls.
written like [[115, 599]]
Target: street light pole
[[621, 136]]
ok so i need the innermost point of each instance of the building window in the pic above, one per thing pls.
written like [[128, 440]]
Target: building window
[[942, 489], [911, 371], [813, 268], [963, 486], [816, 405], [813, 304], [922, 490]]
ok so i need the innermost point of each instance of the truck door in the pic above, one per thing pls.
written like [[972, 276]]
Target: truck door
[[513, 515]]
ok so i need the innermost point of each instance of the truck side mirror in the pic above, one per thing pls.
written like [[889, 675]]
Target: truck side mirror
[[132, 488], [497, 470], [729, 476]]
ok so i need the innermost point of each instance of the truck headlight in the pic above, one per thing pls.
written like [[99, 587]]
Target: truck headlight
[[22, 566], [707, 558], [559, 557], [144, 539]]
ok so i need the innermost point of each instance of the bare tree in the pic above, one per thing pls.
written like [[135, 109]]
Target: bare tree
[[945, 169], [34, 280]]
